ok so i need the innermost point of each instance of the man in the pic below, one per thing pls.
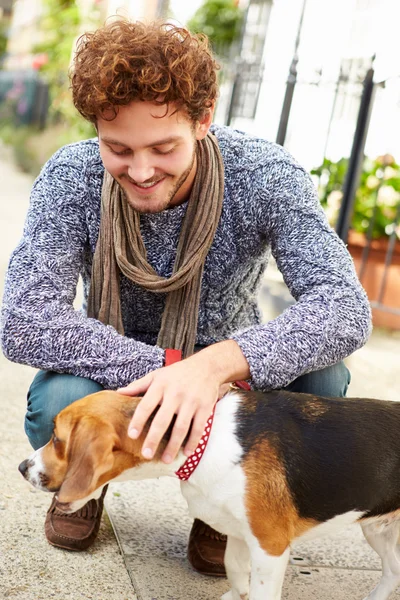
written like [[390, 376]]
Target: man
[[170, 221]]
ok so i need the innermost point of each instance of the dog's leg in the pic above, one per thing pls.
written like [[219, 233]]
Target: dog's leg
[[267, 574], [237, 564], [383, 539]]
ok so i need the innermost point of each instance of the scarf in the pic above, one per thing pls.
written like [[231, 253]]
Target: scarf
[[120, 249]]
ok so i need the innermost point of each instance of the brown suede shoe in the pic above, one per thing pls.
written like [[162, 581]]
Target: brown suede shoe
[[76, 531], [206, 550]]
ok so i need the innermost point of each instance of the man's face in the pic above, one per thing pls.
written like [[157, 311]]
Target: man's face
[[151, 154]]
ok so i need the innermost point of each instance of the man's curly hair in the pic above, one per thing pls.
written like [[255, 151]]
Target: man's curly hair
[[158, 62]]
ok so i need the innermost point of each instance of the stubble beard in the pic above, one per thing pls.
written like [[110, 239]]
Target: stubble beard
[[170, 196]]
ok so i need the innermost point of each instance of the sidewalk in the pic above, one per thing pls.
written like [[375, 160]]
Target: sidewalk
[[31, 569], [150, 517]]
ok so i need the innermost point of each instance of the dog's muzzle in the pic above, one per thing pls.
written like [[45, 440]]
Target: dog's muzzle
[[31, 469]]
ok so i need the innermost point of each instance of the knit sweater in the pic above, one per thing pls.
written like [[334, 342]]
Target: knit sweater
[[270, 204]]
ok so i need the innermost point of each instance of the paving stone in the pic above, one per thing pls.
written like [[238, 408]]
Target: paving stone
[[347, 549], [330, 584], [171, 578]]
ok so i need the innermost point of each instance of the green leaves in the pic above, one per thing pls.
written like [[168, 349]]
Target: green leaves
[[221, 21], [3, 37], [377, 197], [60, 27]]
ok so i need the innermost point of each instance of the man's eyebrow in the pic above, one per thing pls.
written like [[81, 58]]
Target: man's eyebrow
[[168, 140]]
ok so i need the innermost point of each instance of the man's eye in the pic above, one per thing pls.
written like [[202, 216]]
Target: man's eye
[[157, 151], [122, 153]]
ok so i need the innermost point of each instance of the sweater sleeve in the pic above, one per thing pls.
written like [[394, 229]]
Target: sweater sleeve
[[39, 326], [331, 317]]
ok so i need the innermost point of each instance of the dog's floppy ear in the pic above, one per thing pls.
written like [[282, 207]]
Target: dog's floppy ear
[[89, 456]]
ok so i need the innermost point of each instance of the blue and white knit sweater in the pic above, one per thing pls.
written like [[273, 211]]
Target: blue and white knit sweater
[[270, 204]]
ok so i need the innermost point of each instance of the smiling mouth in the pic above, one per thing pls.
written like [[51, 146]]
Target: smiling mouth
[[146, 186]]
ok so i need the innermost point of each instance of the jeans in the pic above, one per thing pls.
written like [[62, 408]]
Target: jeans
[[51, 392]]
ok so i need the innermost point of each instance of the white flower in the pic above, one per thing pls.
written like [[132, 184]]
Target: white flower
[[390, 172], [388, 196], [372, 182]]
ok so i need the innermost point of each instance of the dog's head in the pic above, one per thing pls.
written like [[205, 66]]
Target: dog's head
[[89, 447]]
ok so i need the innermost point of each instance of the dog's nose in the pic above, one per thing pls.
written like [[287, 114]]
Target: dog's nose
[[23, 467]]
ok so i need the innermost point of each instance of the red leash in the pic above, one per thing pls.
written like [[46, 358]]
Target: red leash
[[172, 356]]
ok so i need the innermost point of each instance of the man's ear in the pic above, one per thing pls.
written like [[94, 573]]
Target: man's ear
[[204, 124], [89, 456]]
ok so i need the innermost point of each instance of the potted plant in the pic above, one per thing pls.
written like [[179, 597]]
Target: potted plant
[[376, 217]]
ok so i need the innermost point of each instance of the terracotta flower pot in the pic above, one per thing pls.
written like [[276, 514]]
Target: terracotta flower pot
[[372, 276]]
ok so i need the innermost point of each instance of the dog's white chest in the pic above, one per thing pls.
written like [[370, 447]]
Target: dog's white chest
[[215, 492], [221, 504]]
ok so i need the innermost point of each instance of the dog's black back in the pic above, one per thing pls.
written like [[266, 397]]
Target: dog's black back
[[338, 454]]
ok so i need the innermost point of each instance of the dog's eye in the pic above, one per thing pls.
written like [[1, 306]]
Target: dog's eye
[[55, 440]]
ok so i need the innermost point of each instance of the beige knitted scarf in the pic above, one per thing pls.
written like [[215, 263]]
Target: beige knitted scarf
[[120, 249]]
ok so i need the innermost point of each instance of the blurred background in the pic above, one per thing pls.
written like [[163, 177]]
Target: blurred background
[[320, 77]]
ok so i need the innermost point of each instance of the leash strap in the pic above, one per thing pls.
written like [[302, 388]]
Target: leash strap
[[172, 356], [240, 385]]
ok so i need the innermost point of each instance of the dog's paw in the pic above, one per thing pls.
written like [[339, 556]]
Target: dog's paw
[[227, 596]]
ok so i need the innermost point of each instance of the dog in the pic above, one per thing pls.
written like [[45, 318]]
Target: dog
[[277, 468]]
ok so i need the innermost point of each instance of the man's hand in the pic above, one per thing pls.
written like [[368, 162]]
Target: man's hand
[[188, 389]]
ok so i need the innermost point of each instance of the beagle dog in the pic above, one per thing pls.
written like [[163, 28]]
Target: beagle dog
[[276, 468]]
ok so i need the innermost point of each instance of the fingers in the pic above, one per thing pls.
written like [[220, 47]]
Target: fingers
[[160, 425], [180, 431], [168, 408], [137, 387], [143, 411], [182, 389]]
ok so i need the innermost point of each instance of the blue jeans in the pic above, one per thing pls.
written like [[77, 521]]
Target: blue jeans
[[51, 392]]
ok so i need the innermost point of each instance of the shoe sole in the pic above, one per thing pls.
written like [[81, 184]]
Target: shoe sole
[[68, 547]]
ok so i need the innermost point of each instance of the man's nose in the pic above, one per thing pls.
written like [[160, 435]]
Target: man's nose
[[140, 169]]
